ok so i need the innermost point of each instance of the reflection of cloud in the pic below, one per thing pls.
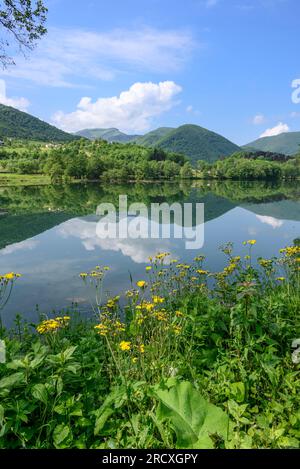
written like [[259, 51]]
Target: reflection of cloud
[[139, 250], [252, 231], [274, 222], [29, 244]]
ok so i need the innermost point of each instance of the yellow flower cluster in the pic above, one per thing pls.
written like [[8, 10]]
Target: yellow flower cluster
[[9, 277], [98, 273], [108, 326], [290, 251], [251, 242], [53, 325]]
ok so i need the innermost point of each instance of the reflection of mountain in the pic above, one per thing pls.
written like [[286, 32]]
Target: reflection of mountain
[[282, 210], [27, 212], [17, 228]]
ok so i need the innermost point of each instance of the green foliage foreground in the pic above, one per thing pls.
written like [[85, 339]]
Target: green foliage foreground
[[177, 364]]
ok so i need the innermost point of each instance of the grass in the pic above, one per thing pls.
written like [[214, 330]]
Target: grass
[[176, 365], [9, 179]]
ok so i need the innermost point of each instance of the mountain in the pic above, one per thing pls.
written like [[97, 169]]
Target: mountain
[[110, 135], [193, 141], [287, 143], [152, 138], [197, 143], [18, 124]]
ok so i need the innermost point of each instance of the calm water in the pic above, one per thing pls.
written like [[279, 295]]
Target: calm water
[[49, 235]]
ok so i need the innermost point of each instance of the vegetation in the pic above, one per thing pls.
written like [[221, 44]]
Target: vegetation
[[20, 125], [191, 140], [175, 365], [249, 165], [83, 160], [287, 143], [23, 21], [197, 143]]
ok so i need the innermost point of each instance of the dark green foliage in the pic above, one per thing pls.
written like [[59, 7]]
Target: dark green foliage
[[197, 143], [252, 166], [18, 124]]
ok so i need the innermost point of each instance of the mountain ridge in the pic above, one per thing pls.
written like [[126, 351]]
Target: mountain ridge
[[287, 143], [192, 140], [21, 125]]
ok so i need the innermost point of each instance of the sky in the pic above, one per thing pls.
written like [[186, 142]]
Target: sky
[[226, 65]]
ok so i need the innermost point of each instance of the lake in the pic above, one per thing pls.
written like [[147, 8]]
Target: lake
[[48, 234]]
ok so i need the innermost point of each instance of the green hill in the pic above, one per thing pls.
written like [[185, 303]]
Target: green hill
[[152, 138], [20, 125], [287, 143], [110, 135], [197, 143]]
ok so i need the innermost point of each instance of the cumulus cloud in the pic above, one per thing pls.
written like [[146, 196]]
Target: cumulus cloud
[[131, 111], [65, 58], [258, 119], [278, 129], [19, 103]]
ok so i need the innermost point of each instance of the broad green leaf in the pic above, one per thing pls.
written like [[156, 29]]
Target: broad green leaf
[[13, 380], [193, 418], [39, 391], [101, 420], [62, 436]]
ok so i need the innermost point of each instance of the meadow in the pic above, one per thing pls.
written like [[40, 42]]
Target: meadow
[[184, 359]]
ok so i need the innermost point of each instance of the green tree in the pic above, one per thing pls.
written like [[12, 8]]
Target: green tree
[[23, 23]]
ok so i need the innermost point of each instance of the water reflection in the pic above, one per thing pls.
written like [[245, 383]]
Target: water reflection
[[49, 234]]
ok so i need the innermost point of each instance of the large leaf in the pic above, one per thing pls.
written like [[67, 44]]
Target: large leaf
[[62, 436], [194, 420], [16, 379]]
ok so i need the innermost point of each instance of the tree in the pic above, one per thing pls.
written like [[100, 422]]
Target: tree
[[22, 22]]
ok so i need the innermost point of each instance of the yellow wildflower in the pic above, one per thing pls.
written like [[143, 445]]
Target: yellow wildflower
[[125, 346], [141, 284]]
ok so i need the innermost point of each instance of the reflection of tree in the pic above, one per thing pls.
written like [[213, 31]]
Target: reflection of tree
[[251, 191], [32, 210]]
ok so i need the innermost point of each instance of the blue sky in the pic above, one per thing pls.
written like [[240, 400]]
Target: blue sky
[[227, 65]]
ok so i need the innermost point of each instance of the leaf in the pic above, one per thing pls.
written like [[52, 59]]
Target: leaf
[[15, 379], [101, 420], [62, 436], [39, 391], [193, 418], [67, 354]]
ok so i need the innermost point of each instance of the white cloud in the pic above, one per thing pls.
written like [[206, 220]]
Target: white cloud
[[258, 119], [20, 103], [271, 221], [278, 129], [189, 108], [65, 58], [131, 111]]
